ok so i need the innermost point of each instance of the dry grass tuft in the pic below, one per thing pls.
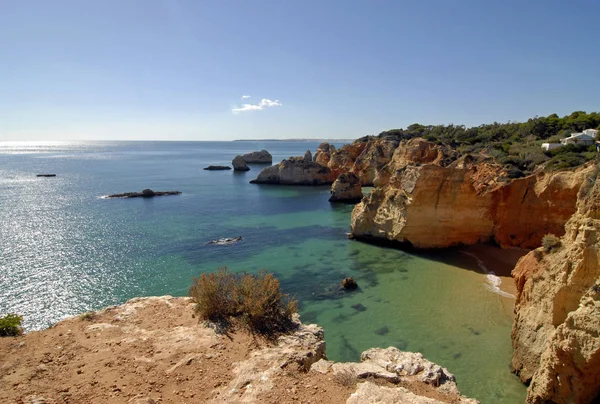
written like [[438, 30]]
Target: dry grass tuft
[[550, 242]]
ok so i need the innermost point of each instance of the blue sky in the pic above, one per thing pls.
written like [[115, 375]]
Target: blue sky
[[175, 69]]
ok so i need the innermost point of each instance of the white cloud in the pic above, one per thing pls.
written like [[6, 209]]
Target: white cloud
[[264, 103], [245, 97]]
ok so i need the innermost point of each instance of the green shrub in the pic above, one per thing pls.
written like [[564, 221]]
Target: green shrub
[[10, 325], [550, 242], [256, 301]]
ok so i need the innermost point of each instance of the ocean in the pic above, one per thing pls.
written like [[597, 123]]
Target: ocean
[[65, 250]]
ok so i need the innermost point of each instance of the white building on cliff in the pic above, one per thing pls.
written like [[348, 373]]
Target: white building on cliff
[[587, 137]]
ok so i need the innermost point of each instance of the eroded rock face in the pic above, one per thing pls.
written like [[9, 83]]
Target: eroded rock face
[[239, 164], [431, 206], [395, 366], [323, 153], [258, 157], [346, 189], [556, 329], [295, 171]]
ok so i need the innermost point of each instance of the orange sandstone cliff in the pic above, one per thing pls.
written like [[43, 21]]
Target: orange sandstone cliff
[[465, 202], [556, 333]]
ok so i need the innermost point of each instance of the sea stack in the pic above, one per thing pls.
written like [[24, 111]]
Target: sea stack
[[258, 157], [239, 164]]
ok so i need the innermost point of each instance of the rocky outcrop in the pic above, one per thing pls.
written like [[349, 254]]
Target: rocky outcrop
[[346, 189], [308, 156], [154, 349], [217, 168], [258, 157], [394, 366], [556, 330], [430, 206], [239, 164], [323, 153], [146, 193], [374, 160], [295, 171]]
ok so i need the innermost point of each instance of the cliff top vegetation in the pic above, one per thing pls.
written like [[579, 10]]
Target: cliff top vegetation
[[517, 144]]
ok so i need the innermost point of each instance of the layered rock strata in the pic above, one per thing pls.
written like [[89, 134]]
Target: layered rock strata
[[154, 350], [346, 189], [556, 333], [431, 206], [295, 171]]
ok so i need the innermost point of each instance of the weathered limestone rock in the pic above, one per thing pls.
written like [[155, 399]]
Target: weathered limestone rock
[[239, 164], [431, 206], [371, 393], [346, 189], [376, 154], [295, 171], [395, 366], [323, 153], [258, 157], [556, 330]]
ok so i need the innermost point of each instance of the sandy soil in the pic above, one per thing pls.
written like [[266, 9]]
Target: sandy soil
[[146, 356]]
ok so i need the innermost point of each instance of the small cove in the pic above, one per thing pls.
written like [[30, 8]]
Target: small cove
[[65, 251]]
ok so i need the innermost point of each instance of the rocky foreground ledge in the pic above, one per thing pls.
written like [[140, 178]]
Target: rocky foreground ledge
[[152, 350]]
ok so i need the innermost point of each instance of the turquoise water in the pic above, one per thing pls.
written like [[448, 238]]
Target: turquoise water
[[64, 250]]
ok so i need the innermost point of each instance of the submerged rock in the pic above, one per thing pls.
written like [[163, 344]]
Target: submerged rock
[[225, 241], [217, 168], [146, 193], [258, 157], [239, 164], [346, 189]]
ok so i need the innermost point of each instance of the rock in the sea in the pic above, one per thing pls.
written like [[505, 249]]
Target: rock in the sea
[[346, 189], [239, 164], [146, 193], [226, 241], [217, 168], [349, 283], [295, 171], [258, 157], [557, 313], [46, 175]]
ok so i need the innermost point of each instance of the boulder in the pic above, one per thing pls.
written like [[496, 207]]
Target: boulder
[[239, 164], [148, 193], [346, 188], [217, 168], [295, 171], [349, 283], [258, 157]]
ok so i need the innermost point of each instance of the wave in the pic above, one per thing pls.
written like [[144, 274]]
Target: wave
[[493, 280]]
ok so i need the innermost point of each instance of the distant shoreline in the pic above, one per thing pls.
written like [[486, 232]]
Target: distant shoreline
[[294, 140]]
